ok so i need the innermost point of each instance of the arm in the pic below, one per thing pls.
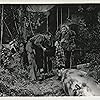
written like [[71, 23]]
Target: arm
[[58, 35], [38, 42], [62, 40]]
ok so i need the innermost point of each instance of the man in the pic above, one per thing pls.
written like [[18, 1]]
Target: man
[[67, 43], [41, 42], [49, 54], [31, 60]]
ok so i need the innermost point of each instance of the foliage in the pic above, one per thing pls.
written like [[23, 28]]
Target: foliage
[[22, 22], [15, 81], [14, 76], [88, 37]]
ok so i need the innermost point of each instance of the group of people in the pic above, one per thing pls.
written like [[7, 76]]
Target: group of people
[[39, 52], [39, 49]]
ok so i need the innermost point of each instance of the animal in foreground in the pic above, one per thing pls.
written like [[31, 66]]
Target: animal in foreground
[[77, 83]]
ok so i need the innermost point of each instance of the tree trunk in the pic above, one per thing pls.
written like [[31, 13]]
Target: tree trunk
[[2, 24], [20, 22], [1, 30]]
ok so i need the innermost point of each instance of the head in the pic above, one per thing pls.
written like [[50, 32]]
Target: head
[[48, 35], [64, 28]]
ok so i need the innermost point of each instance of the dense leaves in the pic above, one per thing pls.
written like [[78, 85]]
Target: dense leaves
[[10, 85]]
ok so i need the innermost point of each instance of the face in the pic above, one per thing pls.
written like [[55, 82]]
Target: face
[[21, 47], [63, 29], [48, 37]]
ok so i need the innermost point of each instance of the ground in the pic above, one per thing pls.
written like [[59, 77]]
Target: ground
[[9, 86]]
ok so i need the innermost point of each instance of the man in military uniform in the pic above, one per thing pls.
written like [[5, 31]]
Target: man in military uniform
[[67, 43], [41, 42]]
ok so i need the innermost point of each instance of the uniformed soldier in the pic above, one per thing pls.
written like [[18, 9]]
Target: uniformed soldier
[[41, 42], [67, 43]]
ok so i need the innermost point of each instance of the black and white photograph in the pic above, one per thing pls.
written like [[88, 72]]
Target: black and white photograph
[[49, 50]]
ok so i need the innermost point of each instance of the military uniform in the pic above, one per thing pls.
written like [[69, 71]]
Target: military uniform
[[68, 44], [41, 42], [41, 55]]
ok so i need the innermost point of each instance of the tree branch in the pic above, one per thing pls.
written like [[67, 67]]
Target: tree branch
[[8, 29]]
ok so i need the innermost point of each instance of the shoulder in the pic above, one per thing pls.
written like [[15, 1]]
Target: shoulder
[[39, 36], [36, 37]]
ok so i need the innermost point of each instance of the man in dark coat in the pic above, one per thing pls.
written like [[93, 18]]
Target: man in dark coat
[[41, 44]]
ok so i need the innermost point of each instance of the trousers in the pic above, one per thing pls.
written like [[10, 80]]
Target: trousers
[[67, 58]]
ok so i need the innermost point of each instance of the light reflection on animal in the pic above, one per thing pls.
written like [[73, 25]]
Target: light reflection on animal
[[77, 83]]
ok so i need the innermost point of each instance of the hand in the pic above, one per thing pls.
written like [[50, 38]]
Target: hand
[[56, 43], [41, 70], [34, 51], [62, 40], [44, 49]]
